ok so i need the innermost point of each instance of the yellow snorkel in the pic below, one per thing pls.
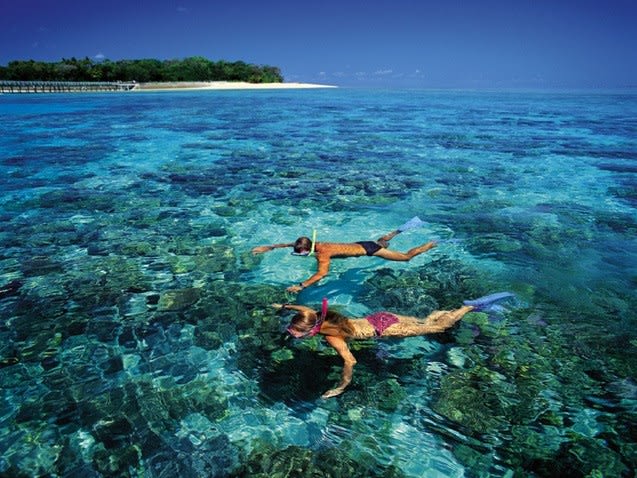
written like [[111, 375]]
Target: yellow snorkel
[[313, 242]]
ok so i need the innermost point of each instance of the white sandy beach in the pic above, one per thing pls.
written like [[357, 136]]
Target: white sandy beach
[[225, 85]]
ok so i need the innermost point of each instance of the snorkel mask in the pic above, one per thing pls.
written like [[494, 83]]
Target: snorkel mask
[[315, 328], [311, 251]]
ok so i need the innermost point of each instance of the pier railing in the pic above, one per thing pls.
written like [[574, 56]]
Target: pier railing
[[8, 86]]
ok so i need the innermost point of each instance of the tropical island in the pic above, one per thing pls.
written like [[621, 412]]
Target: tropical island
[[146, 74], [192, 69]]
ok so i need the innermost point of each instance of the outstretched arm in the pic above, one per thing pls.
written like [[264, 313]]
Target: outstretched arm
[[262, 249], [299, 308], [323, 269], [340, 345]]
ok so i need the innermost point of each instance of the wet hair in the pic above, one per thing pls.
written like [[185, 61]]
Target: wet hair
[[302, 244], [304, 320], [339, 320]]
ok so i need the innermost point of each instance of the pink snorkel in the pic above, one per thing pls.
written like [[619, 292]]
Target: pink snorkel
[[317, 326]]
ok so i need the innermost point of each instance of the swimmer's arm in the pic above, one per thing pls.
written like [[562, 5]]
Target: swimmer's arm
[[299, 308], [340, 345], [262, 249], [323, 269]]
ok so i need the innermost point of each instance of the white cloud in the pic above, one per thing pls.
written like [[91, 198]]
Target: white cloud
[[99, 56], [383, 72]]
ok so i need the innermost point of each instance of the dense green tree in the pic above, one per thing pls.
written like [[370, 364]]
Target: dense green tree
[[194, 68]]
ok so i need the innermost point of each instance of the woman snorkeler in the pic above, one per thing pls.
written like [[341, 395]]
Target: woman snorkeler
[[338, 329]]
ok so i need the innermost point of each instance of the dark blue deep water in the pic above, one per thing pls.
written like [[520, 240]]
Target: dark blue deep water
[[136, 333]]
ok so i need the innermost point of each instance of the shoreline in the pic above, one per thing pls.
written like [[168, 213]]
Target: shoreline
[[223, 85]]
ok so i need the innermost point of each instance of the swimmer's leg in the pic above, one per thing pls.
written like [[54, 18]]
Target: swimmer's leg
[[411, 224], [435, 323], [404, 256], [445, 319], [384, 240]]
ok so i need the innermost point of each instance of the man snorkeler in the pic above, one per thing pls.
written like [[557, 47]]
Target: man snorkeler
[[325, 251]]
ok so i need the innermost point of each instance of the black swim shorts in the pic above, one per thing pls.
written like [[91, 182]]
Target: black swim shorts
[[370, 247]]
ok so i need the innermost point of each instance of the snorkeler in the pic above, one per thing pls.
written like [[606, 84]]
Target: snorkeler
[[325, 251], [338, 328]]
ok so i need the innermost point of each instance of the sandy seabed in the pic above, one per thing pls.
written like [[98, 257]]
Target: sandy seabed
[[225, 85]]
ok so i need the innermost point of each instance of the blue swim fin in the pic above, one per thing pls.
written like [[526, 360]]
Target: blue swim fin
[[484, 302], [413, 223]]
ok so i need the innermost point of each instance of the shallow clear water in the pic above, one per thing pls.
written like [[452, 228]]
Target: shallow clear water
[[137, 337]]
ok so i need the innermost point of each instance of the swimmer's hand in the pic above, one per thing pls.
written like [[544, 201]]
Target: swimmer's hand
[[294, 289], [261, 249], [333, 393]]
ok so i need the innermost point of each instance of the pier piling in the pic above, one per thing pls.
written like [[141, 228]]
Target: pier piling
[[9, 86]]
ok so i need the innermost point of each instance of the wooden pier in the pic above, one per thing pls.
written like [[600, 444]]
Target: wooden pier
[[7, 86]]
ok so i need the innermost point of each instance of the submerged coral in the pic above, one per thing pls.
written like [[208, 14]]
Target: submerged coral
[[137, 333]]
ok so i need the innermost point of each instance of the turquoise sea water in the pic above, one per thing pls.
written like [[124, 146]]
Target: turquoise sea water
[[136, 335]]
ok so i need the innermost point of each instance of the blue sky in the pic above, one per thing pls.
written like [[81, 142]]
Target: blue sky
[[384, 43]]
